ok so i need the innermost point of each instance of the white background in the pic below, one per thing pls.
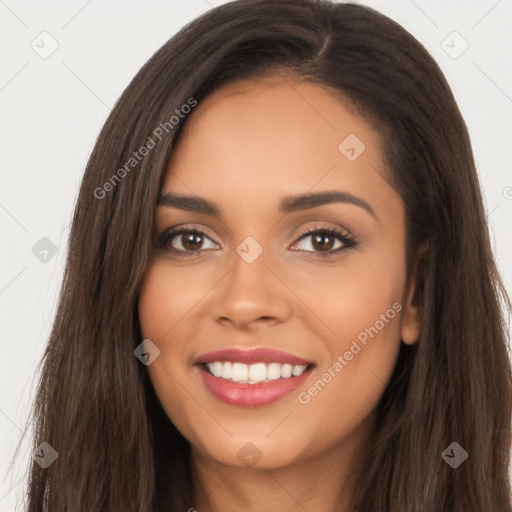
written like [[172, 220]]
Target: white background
[[52, 110]]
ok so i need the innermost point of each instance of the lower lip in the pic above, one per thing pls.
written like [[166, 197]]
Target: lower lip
[[251, 395]]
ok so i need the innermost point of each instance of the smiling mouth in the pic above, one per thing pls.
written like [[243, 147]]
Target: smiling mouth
[[252, 385], [254, 377], [256, 373]]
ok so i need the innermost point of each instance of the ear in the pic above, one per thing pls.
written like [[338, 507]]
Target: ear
[[411, 318]]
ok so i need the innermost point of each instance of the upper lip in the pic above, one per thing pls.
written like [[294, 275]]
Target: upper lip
[[256, 355]]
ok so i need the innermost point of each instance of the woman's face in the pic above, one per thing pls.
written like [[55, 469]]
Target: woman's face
[[334, 304]]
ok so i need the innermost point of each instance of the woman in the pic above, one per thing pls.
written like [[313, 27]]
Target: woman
[[280, 290]]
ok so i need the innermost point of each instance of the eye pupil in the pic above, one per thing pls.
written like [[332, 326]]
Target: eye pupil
[[319, 245], [191, 241]]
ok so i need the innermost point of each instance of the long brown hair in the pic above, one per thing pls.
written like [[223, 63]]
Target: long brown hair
[[117, 449]]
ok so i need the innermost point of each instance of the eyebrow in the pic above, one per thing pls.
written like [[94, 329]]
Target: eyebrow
[[287, 205]]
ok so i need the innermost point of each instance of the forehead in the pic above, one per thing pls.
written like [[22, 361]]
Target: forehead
[[265, 137]]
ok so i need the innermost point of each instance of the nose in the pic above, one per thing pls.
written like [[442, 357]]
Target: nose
[[251, 295]]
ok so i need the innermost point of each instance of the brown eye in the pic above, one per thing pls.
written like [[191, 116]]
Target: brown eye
[[325, 241], [192, 241], [184, 241]]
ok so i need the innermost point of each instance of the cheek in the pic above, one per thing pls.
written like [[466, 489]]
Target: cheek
[[360, 308], [168, 294], [353, 297], [364, 309]]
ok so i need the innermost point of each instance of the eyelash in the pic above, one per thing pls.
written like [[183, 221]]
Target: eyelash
[[348, 241]]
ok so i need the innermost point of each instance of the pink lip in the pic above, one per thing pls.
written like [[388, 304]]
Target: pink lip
[[257, 355], [250, 395]]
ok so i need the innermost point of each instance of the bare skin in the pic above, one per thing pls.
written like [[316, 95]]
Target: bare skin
[[244, 148]]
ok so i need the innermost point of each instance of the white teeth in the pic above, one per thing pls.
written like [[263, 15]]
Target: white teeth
[[226, 371], [217, 368], [239, 372], [297, 370], [274, 371], [257, 372], [254, 373], [286, 371]]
